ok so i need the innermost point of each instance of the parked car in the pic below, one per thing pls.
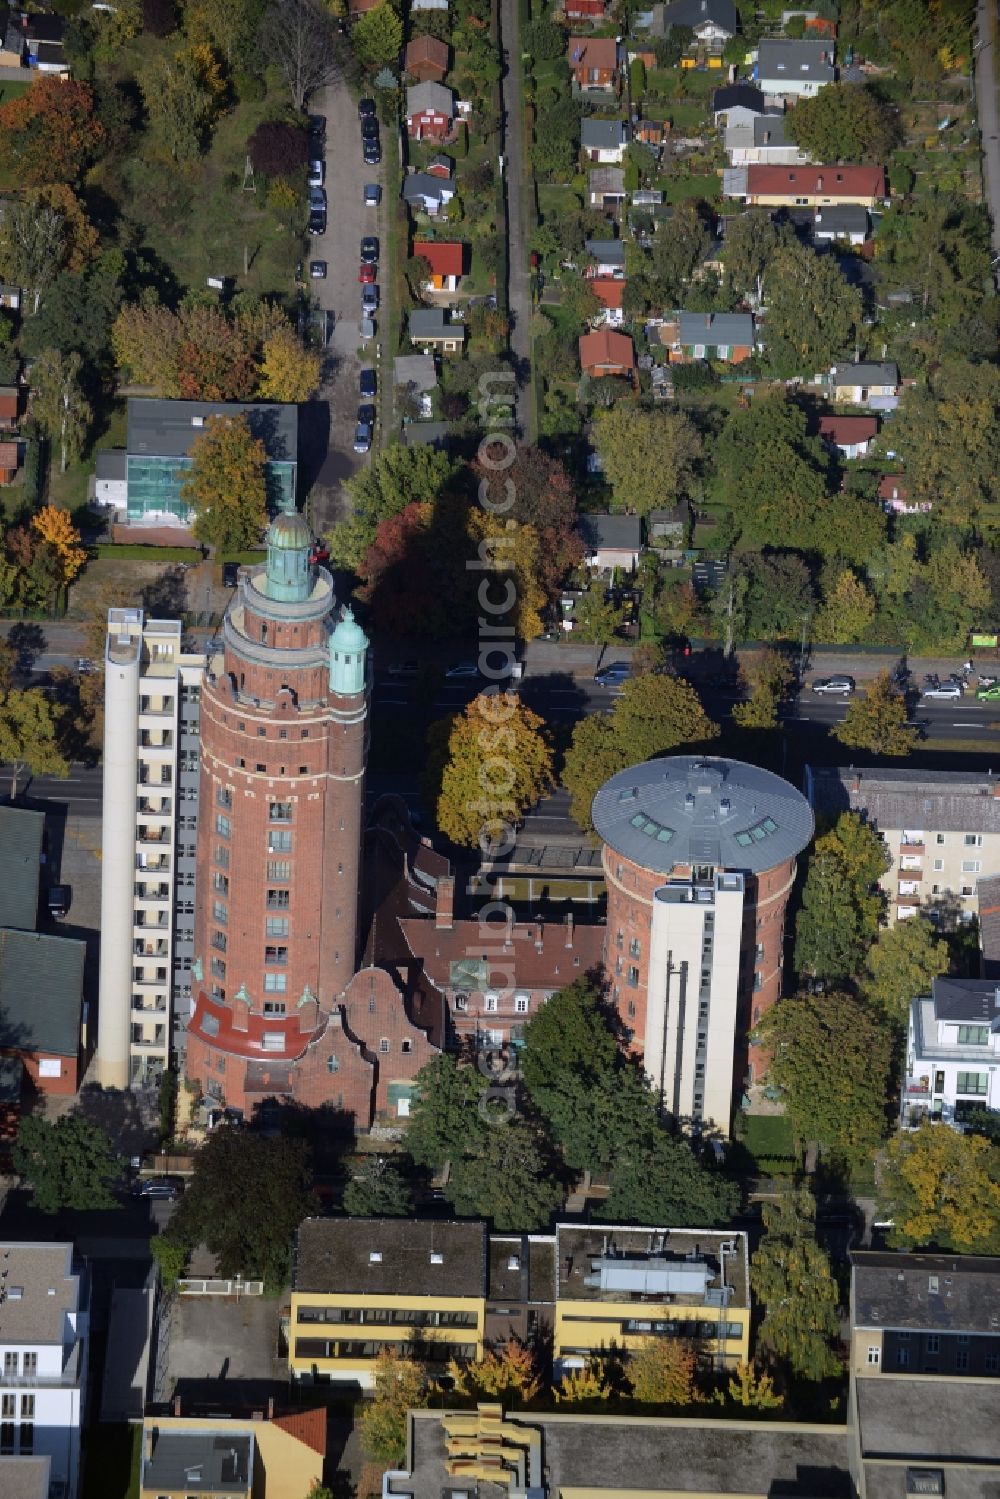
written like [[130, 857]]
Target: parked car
[[372, 153], [367, 384], [157, 1187], [369, 299], [317, 172], [369, 129], [403, 669], [463, 671], [366, 413], [317, 221], [369, 249], [85, 666], [230, 575], [317, 198], [949, 689], [58, 900], [834, 686], [373, 194], [989, 694], [366, 329], [362, 436], [367, 274], [317, 126], [366, 109], [613, 675], [317, 270]]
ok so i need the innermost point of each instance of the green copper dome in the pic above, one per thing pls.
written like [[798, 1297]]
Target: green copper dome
[[289, 531], [289, 543], [348, 648]]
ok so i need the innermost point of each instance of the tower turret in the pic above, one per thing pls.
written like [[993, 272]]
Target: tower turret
[[348, 649]]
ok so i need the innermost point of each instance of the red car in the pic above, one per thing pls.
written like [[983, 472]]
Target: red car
[[366, 275]]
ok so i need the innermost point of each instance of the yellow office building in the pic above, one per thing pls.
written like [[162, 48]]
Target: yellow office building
[[229, 1457]]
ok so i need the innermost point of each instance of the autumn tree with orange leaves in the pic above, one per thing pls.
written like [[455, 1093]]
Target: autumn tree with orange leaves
[[50, 132], [55, 527], [509, 1375]]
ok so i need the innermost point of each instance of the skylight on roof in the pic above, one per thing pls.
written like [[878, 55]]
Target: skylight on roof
[[651, 828]]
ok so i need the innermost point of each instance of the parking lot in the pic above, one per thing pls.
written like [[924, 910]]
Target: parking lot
[[340, 293]]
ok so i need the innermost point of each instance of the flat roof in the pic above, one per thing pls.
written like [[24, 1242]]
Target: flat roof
[[24, 1477], [929, 1420], [391, 1257], [195, 1462], [167, 429], [522, 1268], [936, 1292], [941, 801], [49, 1290], [689, 810], [578, 1246], [21, 837]]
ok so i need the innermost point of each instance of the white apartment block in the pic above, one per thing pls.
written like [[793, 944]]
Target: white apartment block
[[151, 777], [44, 1328], [941, 828], [952, 1052]]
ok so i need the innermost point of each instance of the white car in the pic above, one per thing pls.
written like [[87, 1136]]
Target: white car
[[838, 686], [943, 689], [317, 172]]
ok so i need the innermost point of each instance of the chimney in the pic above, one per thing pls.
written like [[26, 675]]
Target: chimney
[[444, 903], [819, 184], [569, 928], [177, 1405], [538, 936], [270, 1407], [508, 930]]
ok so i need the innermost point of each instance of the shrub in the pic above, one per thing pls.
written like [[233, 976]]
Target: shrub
[[159, 17]]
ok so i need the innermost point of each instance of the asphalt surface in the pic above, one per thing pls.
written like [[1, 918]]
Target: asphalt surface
[[512, 148], [986, 100]]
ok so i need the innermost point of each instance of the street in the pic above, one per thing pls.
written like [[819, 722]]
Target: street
[[986, 100]]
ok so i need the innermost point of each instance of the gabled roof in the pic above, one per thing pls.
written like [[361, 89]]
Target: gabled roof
[[419, 185], [617, 533], [430, 96], [695, 13], [609, 291], [607, 251], [307, 1427], [606, 347], [8, 455], [431, 322], [602, 135], [592, 52], [167, 429], [607, 180], [426, 49], [780, 60], [21, 836], [445, 258], [933, 1291], [846, 430], [416, 370], [893, 487], [866, 373], [41, 993], [741, 95], [715, 328], [548, 964], [841, 218], [973, 1000], [809, 181]]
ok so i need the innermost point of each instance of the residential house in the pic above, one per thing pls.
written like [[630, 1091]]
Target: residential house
[[712, 21], [813, 186], [426, 59], [595, 63], [728, 336], [253, 1457], [868, 383], [430, 328], [427, 434], [591, 11], [794, 69], [653, 134], [610, 292], [895, 497], [44, 1358], [446, 259], [429, 5], [10, 406], [737, 103], [844, 221], [952, 1053], [851, 436], [611, 541], [430, 112], [605, 352], [608, 256], [762, 141], [427, 192], [440, 166], [941, 830], [926, 1322], [606, 188], [10, 297], [37, 38], [667, 528], [603, 141], [416, 376], [10, 461], [356, 8], [110, 489]]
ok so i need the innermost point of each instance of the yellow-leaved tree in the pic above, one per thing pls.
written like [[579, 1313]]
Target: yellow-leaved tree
[[508, 1374], [750, 1389], [400, 1386], [288, 371], [55, 527], [514, 555], [941, 1187], [588, 1386], [661, 1372]]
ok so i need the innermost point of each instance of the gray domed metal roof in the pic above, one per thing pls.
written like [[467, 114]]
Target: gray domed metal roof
[[289, 531], [701, 809]]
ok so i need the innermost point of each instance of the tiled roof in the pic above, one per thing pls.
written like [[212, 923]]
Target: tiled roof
[[426, 49], [848, 429], [307, 1427], [607, 347], [444, 258], [559, 956], [608, 291], [592, 52], [811, 181]]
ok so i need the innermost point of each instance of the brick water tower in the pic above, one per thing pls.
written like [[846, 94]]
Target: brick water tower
[[284, 740]]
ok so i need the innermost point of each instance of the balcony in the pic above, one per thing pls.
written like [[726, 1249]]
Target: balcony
[[148, 1007], [151, 920], [156, 708], [157, 806], [159, 741], [146, 834], [142, 948], [917, 1087], [912, 845], [908, 902], [146, 891]]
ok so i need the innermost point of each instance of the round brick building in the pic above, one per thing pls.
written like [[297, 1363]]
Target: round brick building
[[699, 857], [284, 724]]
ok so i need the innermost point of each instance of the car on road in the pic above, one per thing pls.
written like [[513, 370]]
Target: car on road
[[989, 694], [462, 671], [369, 249], [948, 689], [366, 413], [317, 171], [367, 385], [157, 1187], [367, 274], [373, 194], [362, 435], [317, 221], [402, 669], [613, 675], [366, 109], [317, 270], [369, 299], [834, 686], [372, 153]]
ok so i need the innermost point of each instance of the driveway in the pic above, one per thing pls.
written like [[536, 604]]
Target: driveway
[[347, 220]]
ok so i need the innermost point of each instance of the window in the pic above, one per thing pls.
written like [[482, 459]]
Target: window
[[7, 1403], [973, 840], [972, 1082], [222, 856], [222, 826], [633, 975], [276, 955], [406, 1044], [371, 1004], [274, 1007], [939, 864], [902, 1358], [279, 869], [273, 1041], [278, 841], [31, 1364], [27, 1407], [280, 812], [220, 882], [261, 733], [619, 940], [521, 1004], [332, 1064], [490, 1003], [219, 941], [6, 1438], [218, 968], [220, 912], [260, 768], [10, 1363], [635, 948], [971, 866], [932, 1343], [961, 1360], [277, 900], [939, 839], [224, 798], [277, 926], [973, 1035], [275, 983], [992, 1363], [383, 1044]]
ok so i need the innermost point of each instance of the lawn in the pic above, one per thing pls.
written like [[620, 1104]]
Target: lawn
[[768, 1139], [556, 198], [676, 189]]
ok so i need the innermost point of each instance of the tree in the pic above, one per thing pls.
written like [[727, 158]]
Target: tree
[[661, 1371], [654, 714], [751, 241], [50, 132], [226, 485], [58, 403], [75, 316], [509, 1179], [586, 1388], [679, 246], [941, 1188], [398, 477], [649, 457], [597, 619], [67, 1164], [751, 1389], [659, 1180], [557, 135], [180, 101], [32, 246], [766, 677], [830, 1057], [485, 768], [841, 904], [400, 1386], [568, 1043], [513, 551], [876, 721], [377, 36], [278, 148], [446, 1114], [29, 737], [289, 372], [544, 498], [159, 17], [509, 1375], [58, 531], [171, 1261], [771, 473], [844, 122], [946, 436], [544, 40], [848, 613], [791, 1276], [299, 35], [902, 964], [378, 1190], [230, 25], [247, 1196], [813, 314]]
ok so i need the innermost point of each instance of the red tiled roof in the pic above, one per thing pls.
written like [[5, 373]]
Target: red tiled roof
[[248, 1043], [831, 182], [592, 52], [585, 7], [892, 487], [444, 258], [550, 966], [8, 455], [606, 347], [307, 1427], [8, 404], [425, 49], [608, 291], [848, 429]]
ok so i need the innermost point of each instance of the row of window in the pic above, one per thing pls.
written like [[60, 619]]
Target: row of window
[[262, 732], [386, 1316], [13, 1365], [991, 1361]]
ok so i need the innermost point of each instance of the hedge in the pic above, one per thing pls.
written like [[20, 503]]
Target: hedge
[[134, 551]]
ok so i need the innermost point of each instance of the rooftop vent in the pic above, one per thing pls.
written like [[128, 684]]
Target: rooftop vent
[[375, 1257], [513, 1262], [925, 1481], [437, 1258], [16, 1293], [932, 1285], [197, 421]]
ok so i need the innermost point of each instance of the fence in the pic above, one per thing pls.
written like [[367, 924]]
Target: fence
[[237, 1287]]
